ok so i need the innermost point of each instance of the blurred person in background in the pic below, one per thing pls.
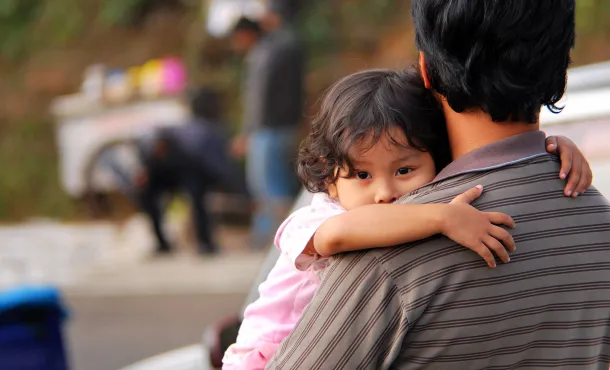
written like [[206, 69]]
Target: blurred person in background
[[273, 104], [245, 35], [191, 158]]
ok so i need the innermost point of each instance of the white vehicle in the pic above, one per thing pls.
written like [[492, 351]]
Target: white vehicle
[[189, 358], [83, 136], [586, 118]]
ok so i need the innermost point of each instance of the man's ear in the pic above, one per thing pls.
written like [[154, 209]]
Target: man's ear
[[423, 70]]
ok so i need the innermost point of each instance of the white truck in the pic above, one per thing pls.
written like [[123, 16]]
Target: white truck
[[586, 118], [84, 135]]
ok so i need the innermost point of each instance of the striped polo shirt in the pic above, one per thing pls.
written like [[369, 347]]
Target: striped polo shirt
[[436, 305]]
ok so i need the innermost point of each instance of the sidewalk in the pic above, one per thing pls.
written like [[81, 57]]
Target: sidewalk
[[183, 274], [103, 258]]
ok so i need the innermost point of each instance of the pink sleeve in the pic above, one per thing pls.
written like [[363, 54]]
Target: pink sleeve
[[295, 233]]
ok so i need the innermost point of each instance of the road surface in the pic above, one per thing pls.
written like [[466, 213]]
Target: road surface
[[108, 333], [124, 305]]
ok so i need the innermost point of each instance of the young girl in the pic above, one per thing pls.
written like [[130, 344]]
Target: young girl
[[380, 135]]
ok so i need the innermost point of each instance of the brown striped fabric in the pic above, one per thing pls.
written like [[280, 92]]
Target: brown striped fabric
[[435, 305]]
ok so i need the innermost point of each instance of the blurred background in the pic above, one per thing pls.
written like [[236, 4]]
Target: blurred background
[[92, 93]]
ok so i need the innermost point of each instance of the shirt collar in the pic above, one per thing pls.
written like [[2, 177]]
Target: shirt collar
[[498, 154]]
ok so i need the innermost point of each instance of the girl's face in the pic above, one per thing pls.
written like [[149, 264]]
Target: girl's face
[[383, 173]]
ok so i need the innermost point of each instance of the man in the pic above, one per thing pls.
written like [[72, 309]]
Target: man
[[192, 158], [273, 104], [245, 35], [432, 305]]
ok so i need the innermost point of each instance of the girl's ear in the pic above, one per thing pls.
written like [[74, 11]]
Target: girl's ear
[[332, 191], [332, 188]]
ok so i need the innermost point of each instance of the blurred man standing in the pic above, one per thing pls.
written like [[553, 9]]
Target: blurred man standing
[[273, 104]]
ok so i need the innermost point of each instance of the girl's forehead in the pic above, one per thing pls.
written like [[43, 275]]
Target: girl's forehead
[[391, 140], [384, 152]]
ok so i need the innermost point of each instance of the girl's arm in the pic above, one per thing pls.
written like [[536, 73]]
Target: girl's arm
[[385, 225]]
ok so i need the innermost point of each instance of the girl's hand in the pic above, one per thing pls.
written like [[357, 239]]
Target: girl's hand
[[574, 165], [478, 230]]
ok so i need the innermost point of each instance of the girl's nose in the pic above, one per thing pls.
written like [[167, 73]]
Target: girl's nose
[[385, 195]]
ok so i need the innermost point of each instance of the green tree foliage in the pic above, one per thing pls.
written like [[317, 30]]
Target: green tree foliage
[[28, 153], [593, 17], [325, 24], [118, 11], [16, 19], [26, 25]]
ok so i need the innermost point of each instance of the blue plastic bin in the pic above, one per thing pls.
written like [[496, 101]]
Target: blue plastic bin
[[31, 321]]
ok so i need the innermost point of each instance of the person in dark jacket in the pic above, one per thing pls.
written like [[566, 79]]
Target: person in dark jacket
[[192, 158], [273, 107]]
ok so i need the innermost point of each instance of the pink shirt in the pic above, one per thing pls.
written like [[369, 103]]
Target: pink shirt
[[288, 289]]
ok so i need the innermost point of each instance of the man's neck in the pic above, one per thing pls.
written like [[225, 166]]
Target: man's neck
[[473, 130]]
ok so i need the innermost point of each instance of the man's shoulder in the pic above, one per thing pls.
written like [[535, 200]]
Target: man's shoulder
[[529, 191], [419, 258], [515, 189], [377, 261], [365, 260], [444, 190]]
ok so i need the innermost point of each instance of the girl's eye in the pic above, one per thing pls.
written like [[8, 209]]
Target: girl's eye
[[404, 171], [363, 175]]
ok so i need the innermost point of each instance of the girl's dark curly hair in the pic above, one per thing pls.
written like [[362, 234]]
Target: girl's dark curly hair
[[366, 105]]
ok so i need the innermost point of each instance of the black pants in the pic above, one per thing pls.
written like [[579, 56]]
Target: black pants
[[151, 198]]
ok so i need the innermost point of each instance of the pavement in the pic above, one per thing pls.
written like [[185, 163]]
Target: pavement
[[124, 305], [103, 258], [113, 332], [224, 274]]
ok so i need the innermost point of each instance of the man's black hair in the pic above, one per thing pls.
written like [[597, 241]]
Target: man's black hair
[[507, 57], [247, 24]]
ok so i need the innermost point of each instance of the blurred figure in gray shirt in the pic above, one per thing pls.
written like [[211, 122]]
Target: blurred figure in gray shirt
[[273, 106]]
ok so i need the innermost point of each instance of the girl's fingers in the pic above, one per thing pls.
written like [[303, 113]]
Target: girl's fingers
[[504, 237], [566, 164], [573, 179], [498, 218], [497, 247], [484, 252], [551, 144], [469, 196]]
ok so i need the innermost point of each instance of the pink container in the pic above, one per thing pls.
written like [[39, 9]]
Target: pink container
[[173, 76]]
